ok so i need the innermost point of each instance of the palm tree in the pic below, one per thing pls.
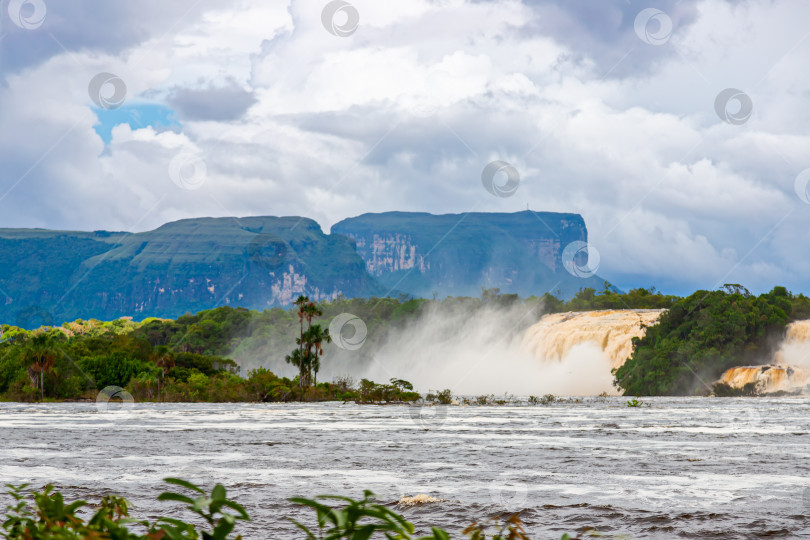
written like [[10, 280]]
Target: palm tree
[[316, 336], [310, 342], [310, 312], [301, 303], [165, 362], [296, 359], [39, 357]]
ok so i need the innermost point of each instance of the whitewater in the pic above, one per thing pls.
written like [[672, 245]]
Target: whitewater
[[682, 467], [572, 353]]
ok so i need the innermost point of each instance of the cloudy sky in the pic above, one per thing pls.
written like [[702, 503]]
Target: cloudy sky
[[126, 115]]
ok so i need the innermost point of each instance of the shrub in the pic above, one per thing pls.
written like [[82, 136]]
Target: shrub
[[45, 515], [445, 397]]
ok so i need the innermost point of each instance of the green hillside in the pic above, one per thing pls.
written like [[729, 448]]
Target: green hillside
[[262, 262], [185, 266]]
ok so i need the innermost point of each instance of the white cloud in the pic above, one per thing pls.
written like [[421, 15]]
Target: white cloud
[[405, 113]]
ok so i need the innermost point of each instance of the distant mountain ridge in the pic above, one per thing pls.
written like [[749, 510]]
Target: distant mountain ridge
[[457, 254], [189, 265]]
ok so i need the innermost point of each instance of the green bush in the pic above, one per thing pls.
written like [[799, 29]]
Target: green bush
[[114, 370], [46, 515]]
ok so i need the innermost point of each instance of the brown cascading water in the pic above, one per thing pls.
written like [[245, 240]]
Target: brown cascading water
[[767, 378], [612, 331], [795, 349], [553, 338], [789, 371]]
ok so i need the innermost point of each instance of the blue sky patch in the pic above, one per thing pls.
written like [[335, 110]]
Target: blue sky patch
[[138, 116]]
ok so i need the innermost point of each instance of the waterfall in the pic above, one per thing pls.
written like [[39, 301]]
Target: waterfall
[[795, 349], [768, 378], [611, 331], [555, 339], [789, 369]]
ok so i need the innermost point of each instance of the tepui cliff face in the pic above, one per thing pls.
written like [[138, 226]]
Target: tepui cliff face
[[184, 266], [457, 254], [49, 276]]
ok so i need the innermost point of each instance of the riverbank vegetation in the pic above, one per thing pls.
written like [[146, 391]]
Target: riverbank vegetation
[[192, 358], [706, 333], [234, 354], [46, 515]]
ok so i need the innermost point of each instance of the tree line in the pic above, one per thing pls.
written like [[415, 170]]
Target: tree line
[[191, 358], [704, 334]]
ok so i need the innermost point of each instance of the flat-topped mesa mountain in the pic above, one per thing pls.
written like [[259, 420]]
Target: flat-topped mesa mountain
[[457, 254], [184, 266], [49, 277]]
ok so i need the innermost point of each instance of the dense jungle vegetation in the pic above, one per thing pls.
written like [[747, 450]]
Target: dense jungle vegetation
[[192, 358], [706, 333]]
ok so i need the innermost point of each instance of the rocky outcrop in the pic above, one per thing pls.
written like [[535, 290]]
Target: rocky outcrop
[[385, 253], [457, 254]]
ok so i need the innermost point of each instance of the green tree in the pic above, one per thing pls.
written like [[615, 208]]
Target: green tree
[[164, 361], [314, 337], [116, 369], [39, 357], [310, 342], [700, 337], [296, 358], [301, 303]]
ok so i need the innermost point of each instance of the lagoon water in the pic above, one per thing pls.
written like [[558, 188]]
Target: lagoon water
[[682, 467]]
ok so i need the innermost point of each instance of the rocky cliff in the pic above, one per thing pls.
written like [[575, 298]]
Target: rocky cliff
[[258, 262], [185, 266], [457, 254]]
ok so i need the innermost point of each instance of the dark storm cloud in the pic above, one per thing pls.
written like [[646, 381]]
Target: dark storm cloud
[[217, 103], [603, 31]]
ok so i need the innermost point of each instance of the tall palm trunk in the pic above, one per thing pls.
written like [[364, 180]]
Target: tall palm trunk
[[301, 351]]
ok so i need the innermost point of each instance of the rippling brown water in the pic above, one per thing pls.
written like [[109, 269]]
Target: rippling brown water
[[690, 467]]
